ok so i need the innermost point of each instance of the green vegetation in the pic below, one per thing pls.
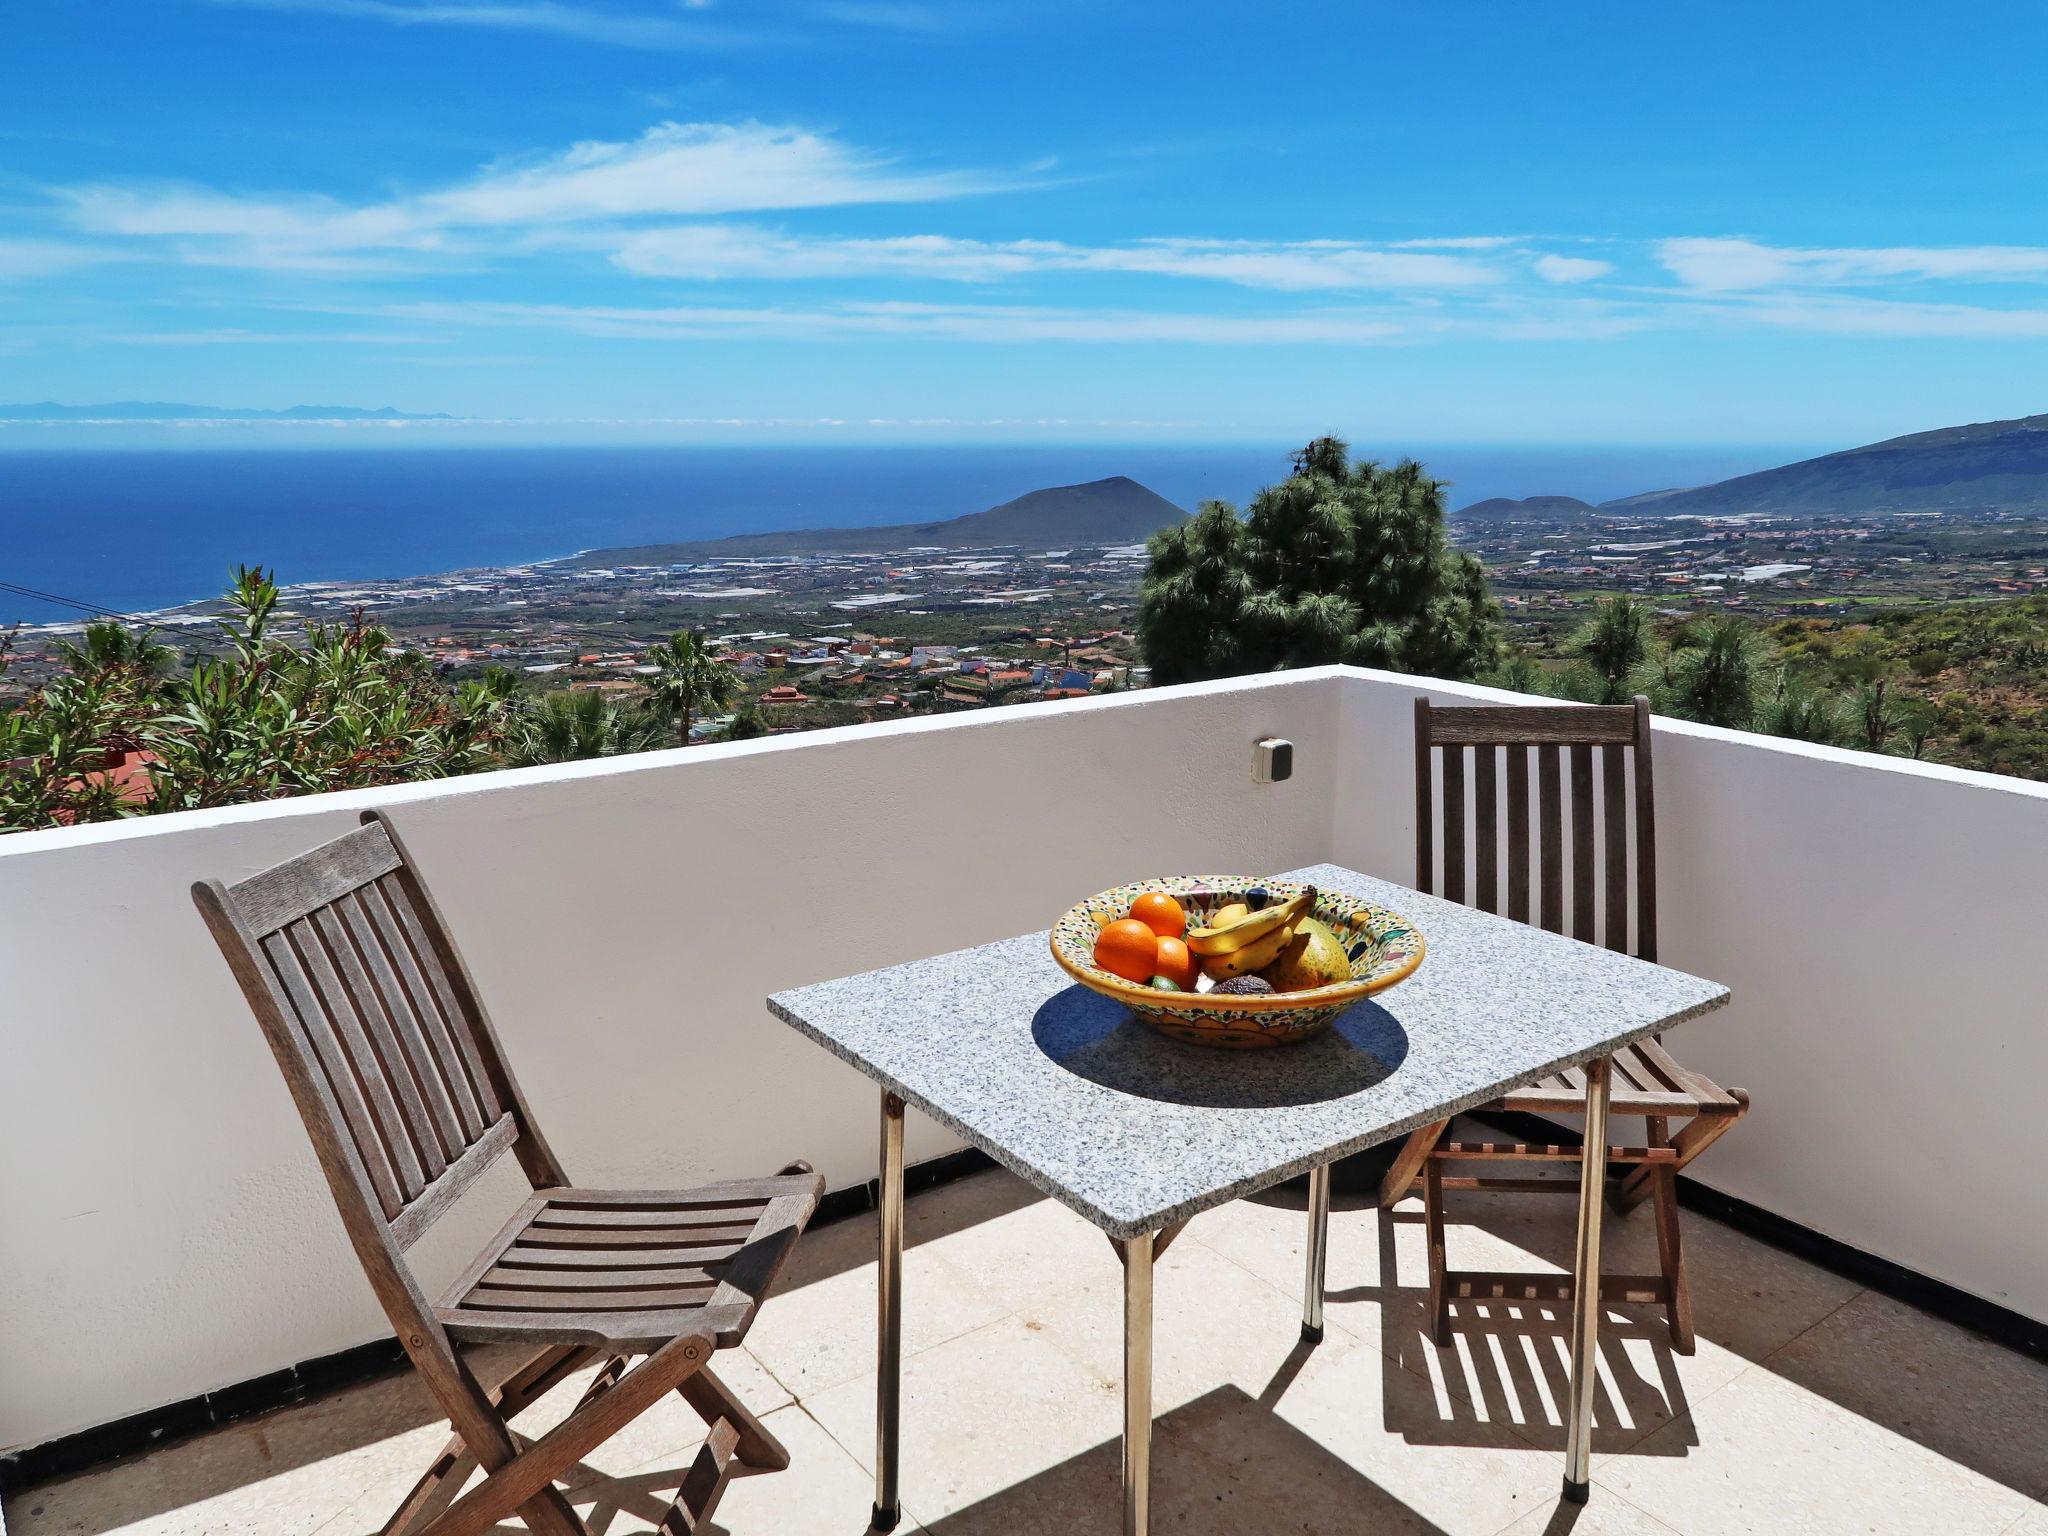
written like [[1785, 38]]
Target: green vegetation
[[122, 731], [1341, 562], [1961, 684], [689, 680]]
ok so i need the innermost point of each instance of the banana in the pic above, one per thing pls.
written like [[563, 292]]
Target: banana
[[1253, 926], [1255, 956]]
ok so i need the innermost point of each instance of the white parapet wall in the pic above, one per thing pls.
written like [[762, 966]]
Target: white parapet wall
[[164, 1230]]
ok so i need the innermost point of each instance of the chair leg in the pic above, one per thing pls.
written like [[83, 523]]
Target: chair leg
[[1408, 1162], [442, 1480], [1433, 1227], [713, 1400], [1699, 1134], [1670, 1251]]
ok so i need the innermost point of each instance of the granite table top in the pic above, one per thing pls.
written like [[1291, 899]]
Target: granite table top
[[1137, 1132]]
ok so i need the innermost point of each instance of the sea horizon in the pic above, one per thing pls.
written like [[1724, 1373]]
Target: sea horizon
[[139, 529]]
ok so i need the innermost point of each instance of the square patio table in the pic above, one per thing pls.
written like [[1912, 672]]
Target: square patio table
[[1139, 1133]]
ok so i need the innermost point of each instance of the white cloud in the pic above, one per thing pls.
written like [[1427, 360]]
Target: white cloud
[[1727, 265], [590, 24], [1571, 269], [672, 170], [712, 251], [969, 322], [1892, 318], [21, 259]]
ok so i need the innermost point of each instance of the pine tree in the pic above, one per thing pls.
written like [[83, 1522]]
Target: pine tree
[[1340, 562]]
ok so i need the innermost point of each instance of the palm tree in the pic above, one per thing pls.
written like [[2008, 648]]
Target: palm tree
[[581, 723], [688, 680], [1520, 673], [1877, 716], [1801, 712], [1713, 673], [1613, 644], [108, 647]]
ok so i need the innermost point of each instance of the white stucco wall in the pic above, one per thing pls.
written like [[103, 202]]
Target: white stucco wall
[[1880, 924], [164, 1230], [1884, 927]]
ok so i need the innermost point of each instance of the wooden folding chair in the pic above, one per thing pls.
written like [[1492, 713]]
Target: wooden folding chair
[[1568, 838], [406, 1093]]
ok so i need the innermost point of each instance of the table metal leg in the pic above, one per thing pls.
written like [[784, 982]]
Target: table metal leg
[[1137, 1253], [1578, 1445], [889, 1319], [1318, 1254]]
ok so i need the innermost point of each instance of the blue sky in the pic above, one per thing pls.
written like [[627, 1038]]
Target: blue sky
[[889, 220]]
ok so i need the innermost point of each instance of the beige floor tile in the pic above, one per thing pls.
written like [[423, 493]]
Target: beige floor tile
[[818, 1329], [981, 1413], [1768, 1456], [1606, 1513], [1510, 1363], [1748, 1298], [1506, 1364], [1213, 1325], [1398, 1432], [1223, 1465], [1036, 1250], [290, 1472], [670, 1425], [2033, 1523], [1962, 1396], [825, 1492]]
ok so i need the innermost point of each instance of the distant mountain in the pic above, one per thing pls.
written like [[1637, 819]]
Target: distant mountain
[[1501, 508], [1102, 512], [1989, 465], [165, 410]]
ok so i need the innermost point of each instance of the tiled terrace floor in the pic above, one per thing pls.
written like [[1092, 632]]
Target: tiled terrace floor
[[1810, 1407]]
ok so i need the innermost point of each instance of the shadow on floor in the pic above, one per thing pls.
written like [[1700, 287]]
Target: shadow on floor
[[1510, 1362], [1224, 1463]]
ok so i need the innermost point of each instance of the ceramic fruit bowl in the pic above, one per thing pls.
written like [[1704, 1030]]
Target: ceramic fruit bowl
[[1383, 948]]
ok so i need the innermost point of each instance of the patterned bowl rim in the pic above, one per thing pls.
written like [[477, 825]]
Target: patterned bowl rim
[[1145, 997]]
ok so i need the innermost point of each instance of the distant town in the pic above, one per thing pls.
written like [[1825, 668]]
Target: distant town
[[840, 638]]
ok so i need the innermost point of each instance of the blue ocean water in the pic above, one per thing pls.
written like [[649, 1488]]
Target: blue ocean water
[[138, 529]]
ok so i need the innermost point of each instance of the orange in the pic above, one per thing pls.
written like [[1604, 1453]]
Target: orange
[[1161, 913], [1175, 964], [1129, 949]]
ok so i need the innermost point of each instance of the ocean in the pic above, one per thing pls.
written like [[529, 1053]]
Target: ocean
[[139, 529]]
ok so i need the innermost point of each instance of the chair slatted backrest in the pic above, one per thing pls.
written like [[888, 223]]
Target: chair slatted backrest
[[374, 1018], [1589, 823]]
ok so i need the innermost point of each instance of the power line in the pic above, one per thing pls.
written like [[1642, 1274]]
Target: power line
[[63, 602], [94, 610]]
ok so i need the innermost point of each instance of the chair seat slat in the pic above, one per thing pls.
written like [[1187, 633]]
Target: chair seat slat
[[679, 1213], [648, 1299], [634, 1237], [572, 1281], [542, 1256]]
